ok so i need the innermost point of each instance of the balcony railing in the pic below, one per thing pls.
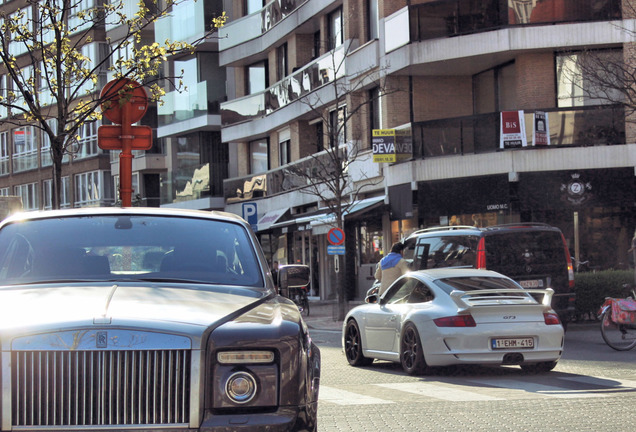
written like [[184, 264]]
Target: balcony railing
[[237, 32], [459, 17], [290, 177], [179, 106], [594, 126], [187, 21], [323, 70]]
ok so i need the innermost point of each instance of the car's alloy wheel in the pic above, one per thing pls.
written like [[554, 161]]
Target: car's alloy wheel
[[353, 345], [411, 353]]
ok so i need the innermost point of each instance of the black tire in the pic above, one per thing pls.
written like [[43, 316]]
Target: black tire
[[539, 367], [617, 336], [353, 345], [411, 351]]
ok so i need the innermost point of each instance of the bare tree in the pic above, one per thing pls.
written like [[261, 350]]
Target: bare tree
[[51, 76], [327, 174]]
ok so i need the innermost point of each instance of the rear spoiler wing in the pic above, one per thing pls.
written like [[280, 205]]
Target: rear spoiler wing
[[463, 298]]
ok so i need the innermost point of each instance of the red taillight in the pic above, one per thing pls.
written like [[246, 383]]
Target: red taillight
[[568, 259], [456, 321], [551, 318], [481, 254]]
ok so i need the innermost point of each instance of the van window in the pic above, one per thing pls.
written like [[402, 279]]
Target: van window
[[516, 250], [446, 251]]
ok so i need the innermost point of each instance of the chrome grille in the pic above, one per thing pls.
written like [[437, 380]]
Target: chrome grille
[[93, 388]]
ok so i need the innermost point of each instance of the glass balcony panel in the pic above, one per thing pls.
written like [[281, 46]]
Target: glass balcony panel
[[185, 22], [456, 17], [180, 106], [324, 70], [594, 126]]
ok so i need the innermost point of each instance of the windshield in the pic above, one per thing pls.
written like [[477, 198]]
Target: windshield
[[127, 247]]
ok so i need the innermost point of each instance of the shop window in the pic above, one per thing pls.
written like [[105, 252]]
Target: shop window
[[371, 242]]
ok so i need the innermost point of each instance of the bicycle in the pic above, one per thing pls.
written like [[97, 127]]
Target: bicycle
[[299, 296], [618, 322]]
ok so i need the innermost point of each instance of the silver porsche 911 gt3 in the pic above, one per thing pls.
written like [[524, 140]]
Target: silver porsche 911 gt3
[[450, 316]]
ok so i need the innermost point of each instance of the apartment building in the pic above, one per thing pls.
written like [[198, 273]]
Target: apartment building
[[452, 75], [90, 175]]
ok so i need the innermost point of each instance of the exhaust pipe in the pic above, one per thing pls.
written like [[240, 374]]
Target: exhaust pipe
[[512, 359]]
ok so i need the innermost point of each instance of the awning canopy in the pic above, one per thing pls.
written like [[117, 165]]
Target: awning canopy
[[322, 222], [270, 218]]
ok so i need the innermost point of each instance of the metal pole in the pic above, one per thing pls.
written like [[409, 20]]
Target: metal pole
[[125, 158]]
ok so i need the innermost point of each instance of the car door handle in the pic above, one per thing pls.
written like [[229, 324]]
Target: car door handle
[[392, 319]]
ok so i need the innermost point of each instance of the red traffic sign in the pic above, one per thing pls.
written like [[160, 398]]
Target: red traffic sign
[[336, 236], [120, 92], [109, 137]]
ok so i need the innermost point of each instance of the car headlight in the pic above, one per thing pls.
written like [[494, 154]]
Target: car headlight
[[241, 387]]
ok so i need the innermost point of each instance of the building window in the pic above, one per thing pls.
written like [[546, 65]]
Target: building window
[[283, 152], [5, 157], [494, 90], [252, 6], [281, 62], [337, 127], [336, 33], [375, 113], [88, 140], [29, 194], [47, 193], [582, 78], [23, 17], [372, 19], [3, 95], [257, 80], [258, 156], [315, 52], [25, 151], [92, 188], [4, 191]]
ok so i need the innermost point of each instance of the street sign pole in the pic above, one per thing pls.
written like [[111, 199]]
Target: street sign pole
[[125, 158]]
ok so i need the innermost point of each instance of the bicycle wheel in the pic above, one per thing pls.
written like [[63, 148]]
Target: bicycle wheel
[[620, 337]]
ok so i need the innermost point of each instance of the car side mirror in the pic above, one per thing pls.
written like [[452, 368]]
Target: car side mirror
[[292, 276], [373, 298]]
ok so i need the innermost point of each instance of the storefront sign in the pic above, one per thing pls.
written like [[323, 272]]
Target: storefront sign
[[513, 130], [541, 133], [391, 145]]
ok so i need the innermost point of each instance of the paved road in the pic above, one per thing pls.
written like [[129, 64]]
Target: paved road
[[593, 388]]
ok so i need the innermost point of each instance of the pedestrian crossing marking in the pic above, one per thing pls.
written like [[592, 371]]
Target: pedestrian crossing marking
[[578, 387], [343, 397], [439, 392]]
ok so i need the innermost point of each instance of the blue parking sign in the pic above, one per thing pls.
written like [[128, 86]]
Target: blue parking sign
[[250, 214]]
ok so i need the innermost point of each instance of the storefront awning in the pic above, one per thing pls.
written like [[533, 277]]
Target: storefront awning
[[270, 218], [321, 223]]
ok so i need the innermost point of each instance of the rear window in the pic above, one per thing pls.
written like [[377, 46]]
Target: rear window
[[516, 248], [445, 251], [475, 283]]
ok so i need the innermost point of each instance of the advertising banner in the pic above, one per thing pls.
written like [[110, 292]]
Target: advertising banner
[[541, 133], [513, 130], [392, 145]]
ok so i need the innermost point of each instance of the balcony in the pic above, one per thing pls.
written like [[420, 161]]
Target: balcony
[[187, 22], [584, 127], [323, 70], [287, 178], [460, 17]]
